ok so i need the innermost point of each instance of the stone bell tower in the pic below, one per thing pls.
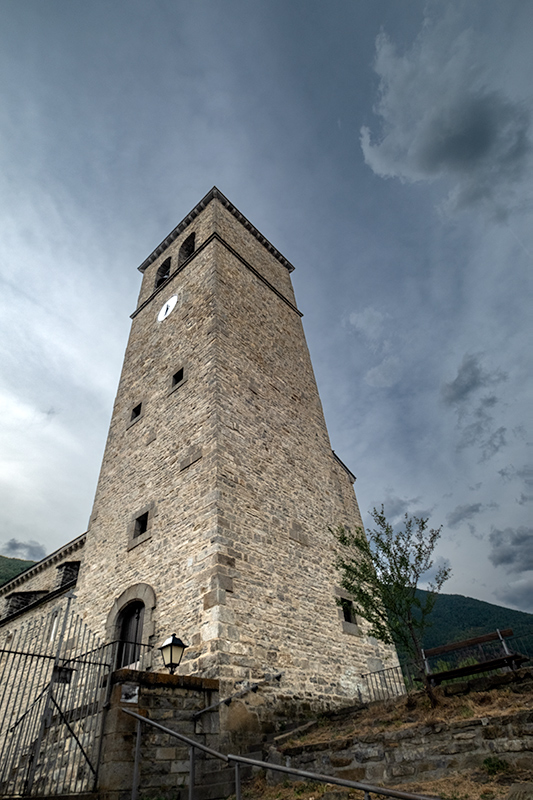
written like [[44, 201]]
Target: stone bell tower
[[218, 482]]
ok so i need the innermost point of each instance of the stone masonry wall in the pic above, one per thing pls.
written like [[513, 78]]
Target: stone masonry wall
[[280, 489], [164, 760], [164, 463], [425, 752]]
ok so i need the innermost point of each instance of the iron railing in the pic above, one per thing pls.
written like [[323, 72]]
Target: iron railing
[[237, 761], [54, 684], [51, 674], [391, 682], [386, 684], [249, 687], [129, 655]]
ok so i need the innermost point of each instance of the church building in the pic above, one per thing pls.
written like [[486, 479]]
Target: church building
[[218, 484]]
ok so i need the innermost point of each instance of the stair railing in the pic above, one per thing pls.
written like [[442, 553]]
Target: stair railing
[[367, 788]]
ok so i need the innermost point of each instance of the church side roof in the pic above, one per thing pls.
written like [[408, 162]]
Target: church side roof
[[57, 555], [214, 194]]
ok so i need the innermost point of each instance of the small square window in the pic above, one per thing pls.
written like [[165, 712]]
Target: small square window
[[177, 377], [136, 412], [348, 611], [141, 525]]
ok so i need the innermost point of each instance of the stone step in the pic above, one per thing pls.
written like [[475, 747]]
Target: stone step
[[220, 775], [215, 791]]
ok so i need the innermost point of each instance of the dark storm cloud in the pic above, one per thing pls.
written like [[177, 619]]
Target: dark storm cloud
[[397, 507], [470, 377], [493, 443], [476, 420], [463, 513], [482, 138], [29, 551], [513, 549], [523, 474]]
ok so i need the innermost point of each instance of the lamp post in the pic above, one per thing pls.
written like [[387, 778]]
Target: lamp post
[[172, 652]]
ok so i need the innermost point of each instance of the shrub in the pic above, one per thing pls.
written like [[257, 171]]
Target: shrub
[[492, 765]]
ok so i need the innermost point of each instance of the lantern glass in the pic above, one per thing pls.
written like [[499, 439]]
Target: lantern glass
[[172, 652]]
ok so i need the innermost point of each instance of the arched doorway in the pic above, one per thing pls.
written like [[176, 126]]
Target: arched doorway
[[130, 634], [130, 620]]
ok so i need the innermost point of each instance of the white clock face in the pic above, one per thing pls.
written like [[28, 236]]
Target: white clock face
[[167, 307]]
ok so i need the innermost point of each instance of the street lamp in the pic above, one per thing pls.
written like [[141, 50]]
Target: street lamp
[[172, 652]]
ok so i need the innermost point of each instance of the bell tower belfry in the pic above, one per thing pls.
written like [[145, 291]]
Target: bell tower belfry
[[218, 481]]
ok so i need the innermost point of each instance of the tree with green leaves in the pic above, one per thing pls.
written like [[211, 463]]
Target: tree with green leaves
[[381, 571]]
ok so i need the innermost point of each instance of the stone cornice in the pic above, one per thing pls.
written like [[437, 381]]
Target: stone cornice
[[47, 561], [345, 468], [165, 680], [214, 194]]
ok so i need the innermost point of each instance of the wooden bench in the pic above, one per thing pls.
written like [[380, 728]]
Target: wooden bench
[[506, 659]]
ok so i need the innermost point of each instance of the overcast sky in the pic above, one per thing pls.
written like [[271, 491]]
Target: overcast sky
[[384, 147]]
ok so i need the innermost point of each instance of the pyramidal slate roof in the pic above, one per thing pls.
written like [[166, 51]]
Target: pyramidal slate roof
[[214, 194]]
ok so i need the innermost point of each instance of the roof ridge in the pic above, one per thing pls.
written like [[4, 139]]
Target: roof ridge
[[214, 194]]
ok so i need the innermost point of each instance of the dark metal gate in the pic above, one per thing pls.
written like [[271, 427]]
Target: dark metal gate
[[52, 692]]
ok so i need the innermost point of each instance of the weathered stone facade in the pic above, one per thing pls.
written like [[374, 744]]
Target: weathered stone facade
[[218, 482]]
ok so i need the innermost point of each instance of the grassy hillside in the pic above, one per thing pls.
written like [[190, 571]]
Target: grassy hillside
[[10, 567]]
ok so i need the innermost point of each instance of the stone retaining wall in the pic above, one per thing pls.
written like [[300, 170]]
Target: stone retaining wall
[[420, 752]]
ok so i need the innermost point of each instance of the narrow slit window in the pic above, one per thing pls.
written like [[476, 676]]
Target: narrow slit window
[[163, 272], [141, 525], [177, 377], [136, 412], [348, 611], [186, 249]]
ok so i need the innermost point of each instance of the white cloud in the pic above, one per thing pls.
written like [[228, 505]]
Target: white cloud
[[385, 374], [371, 324], [369, 321], [440, 119]]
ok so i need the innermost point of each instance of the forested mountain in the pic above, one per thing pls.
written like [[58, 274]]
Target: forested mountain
[[456, 617], [10, 567]]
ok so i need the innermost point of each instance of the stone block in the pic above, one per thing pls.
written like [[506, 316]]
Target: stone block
[[214, 598], [340, 761], [351, 774]]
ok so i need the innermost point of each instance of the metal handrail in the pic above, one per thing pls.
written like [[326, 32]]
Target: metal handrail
[[226, 701], [190, 742], [367, 788]]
